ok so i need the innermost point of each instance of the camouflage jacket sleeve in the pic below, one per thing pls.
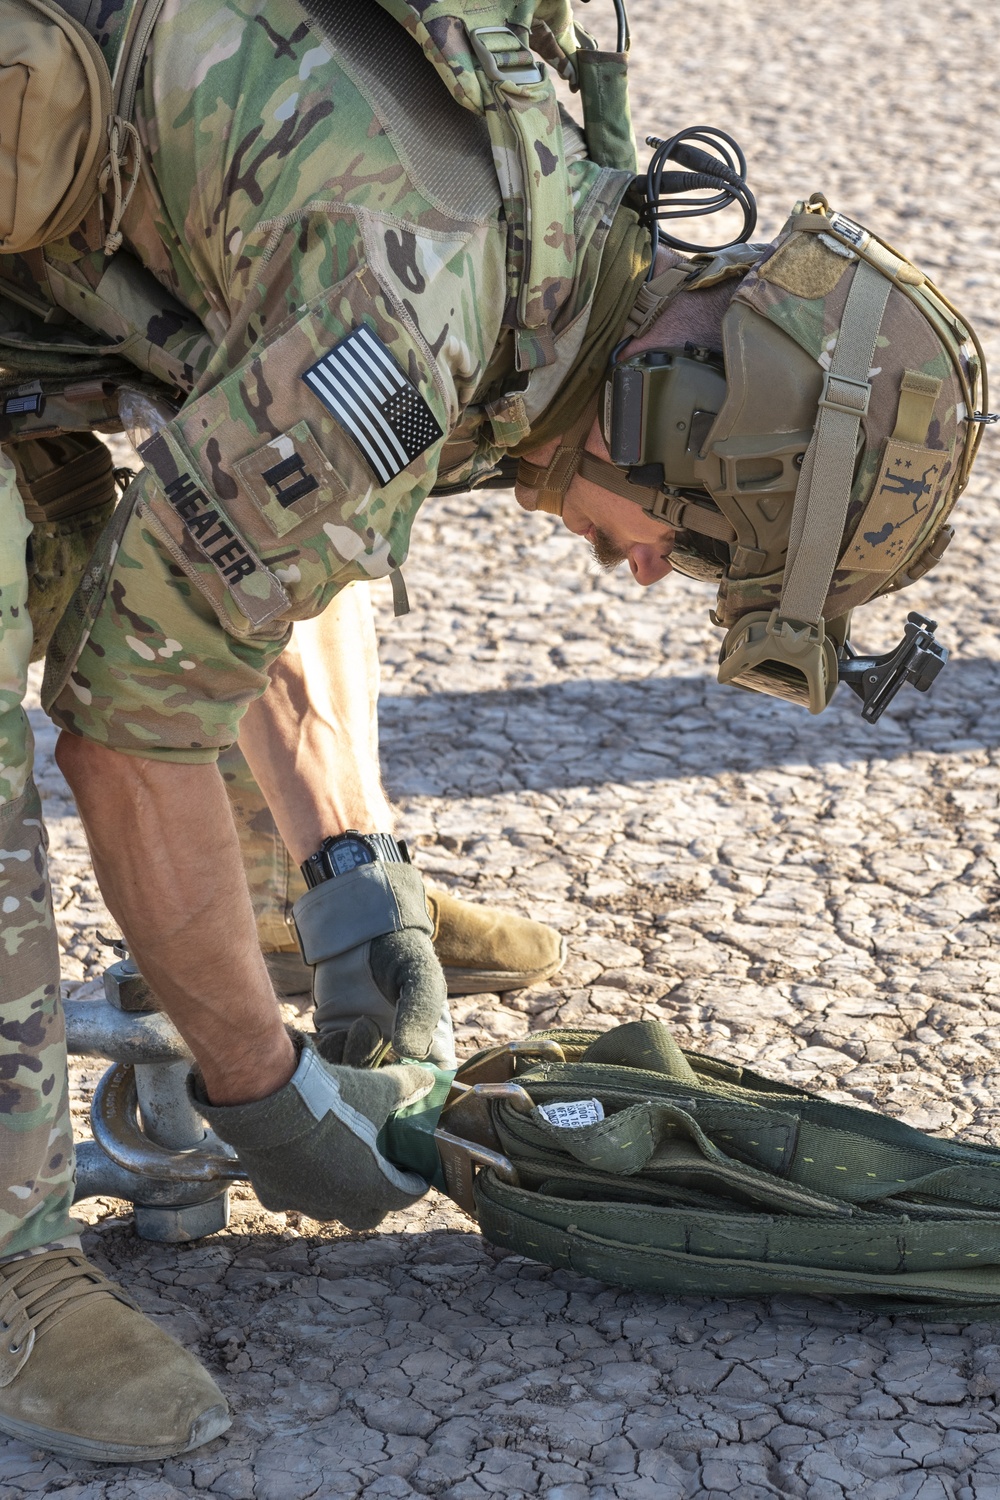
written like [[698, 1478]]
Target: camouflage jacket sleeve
[[301, 469]]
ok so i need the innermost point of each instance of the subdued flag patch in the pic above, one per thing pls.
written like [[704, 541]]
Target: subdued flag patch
[[364, 389]]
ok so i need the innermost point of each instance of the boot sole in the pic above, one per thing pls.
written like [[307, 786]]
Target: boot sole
[[499, 981], [293, 981], [211, 1424]]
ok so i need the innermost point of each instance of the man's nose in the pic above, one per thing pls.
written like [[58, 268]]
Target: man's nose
[[649, 564]]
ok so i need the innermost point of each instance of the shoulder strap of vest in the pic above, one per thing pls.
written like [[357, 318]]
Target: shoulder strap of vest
[[122, 36], [484, 57]]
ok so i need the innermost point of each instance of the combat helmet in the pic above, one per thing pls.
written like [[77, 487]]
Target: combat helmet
[[809, 465]]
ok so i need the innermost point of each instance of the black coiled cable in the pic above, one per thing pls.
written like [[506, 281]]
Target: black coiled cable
[[623, 35], [720, 171]]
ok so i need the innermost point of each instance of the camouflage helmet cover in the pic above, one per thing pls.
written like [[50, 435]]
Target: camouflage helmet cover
[[845, 437], [914, 443]]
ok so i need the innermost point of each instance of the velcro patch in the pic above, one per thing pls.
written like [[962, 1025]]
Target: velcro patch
[[192, 519], [289, 479], [902, 501], [382, 412], [806, 265]]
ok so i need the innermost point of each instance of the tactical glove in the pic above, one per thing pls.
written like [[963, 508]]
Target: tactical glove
[[313, 1146], [377, 979]]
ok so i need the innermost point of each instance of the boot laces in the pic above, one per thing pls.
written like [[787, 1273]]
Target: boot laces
[[38, 1292]]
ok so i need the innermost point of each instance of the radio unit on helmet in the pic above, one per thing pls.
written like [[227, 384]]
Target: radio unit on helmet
[[659, 408]]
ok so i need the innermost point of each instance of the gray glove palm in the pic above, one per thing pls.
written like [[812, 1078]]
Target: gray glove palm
[[377, 979]]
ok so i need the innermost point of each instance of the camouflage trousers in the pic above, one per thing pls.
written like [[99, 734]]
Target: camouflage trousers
[[36, 1134]]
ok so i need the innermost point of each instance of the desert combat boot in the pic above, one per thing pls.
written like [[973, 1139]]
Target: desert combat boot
[[482, 950], [486, 950], [85, 1374]]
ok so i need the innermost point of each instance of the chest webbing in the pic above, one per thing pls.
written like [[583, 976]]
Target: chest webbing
[[483, 52]]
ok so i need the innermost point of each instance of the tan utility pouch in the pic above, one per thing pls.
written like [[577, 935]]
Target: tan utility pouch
[[55, 103]]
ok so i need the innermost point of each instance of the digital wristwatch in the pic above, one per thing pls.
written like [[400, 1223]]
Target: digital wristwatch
[[346, 851]]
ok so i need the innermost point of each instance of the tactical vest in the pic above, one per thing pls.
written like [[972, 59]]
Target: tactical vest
[[59, 379], [485, 61], [484, 56]]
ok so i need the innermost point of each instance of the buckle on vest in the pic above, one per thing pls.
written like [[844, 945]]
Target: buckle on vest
[[503, 58]]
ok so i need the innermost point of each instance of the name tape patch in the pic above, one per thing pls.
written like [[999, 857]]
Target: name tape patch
[[217, 540], [189, 517], [364, 389]]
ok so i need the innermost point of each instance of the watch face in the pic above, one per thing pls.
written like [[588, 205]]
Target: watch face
[[347, 853]]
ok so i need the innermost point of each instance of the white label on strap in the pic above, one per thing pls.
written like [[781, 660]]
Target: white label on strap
[[573, 1116], [849, 230]]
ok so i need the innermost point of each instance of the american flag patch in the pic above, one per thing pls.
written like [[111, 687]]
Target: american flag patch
[[364, 389]]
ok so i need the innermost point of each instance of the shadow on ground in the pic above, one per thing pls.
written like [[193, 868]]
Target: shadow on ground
[[587, 732]]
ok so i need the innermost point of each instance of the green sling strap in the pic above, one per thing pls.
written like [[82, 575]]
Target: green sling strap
[[686, 1175]]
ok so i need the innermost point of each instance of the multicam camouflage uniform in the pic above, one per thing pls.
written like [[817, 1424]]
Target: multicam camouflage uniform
[[298, 185], [36, 1137]]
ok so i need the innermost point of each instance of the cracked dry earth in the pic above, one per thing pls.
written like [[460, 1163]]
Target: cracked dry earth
[[812, 896]]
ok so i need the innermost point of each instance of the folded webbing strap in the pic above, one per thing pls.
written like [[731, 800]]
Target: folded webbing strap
[[685, 1252], [652, 297], [823, 492], [551, 481], [696, 1176], [918, 395]]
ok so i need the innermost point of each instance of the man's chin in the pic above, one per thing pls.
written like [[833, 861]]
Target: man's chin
[[606, 553]]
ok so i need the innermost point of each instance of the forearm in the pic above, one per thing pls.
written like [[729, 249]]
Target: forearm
[[312, 740], [167, 860]]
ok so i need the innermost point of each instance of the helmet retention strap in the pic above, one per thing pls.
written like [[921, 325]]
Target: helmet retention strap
[[678, 511], [551, 481], [823, 493]]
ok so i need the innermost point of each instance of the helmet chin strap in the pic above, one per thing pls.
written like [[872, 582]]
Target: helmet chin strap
[[682, 512], [549, 482]]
